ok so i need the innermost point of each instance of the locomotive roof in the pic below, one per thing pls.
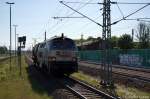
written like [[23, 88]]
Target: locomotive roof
[[57, 37]]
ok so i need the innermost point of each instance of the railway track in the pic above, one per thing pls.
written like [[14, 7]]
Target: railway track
[[146, 70], [126, 73], [84, 91], [132, 77], [5, 58], [76, 89]]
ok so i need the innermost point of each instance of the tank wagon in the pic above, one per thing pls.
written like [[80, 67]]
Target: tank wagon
[[57, 55], [34, 53]]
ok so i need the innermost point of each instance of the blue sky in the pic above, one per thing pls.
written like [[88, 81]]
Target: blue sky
[[33, 17]]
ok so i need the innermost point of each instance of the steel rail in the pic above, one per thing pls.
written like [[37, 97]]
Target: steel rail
[[144, 79], [89, 89], [75, 92], [5, 58], [140, 69], [128, 75]]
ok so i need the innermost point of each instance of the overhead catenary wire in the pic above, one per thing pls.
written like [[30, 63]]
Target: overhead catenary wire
[[131, 14], [128, 3], [68, 16], [80, 13], [110, 2], [53, 26], [144, 21], [139, 20], [87, 24], [44, 27], [120, 11], [79, 8], [80, 2], [101, 3], [83, 27]]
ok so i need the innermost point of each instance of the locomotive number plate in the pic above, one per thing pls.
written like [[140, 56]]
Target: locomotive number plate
[[64, 54]]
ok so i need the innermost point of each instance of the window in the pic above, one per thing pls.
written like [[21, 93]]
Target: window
[[66, 44], [42, 45]]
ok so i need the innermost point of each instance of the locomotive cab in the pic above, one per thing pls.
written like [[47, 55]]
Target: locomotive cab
[[58, 55], [62, 56]]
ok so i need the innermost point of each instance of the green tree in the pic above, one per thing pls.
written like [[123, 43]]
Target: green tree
[[125, 42], [90, 38], [3, 49], [143, 35], [114, 41]]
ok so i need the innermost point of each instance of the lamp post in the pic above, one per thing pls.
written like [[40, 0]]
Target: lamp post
[[10, 30], [17, 40], [17, 49]]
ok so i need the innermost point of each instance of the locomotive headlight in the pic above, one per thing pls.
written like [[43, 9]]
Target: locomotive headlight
[[74, 59], [51, 58]]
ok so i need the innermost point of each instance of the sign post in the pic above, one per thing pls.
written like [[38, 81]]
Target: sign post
[[21, 41]]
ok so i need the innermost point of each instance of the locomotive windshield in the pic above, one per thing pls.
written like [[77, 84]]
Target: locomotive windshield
[[63, 44]]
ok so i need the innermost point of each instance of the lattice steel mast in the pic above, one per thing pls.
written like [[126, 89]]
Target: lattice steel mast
[[106, 46]]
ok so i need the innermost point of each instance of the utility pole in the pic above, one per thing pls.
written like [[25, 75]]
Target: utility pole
[[81, 41], [132, 34], [21, 41], [17, 49], [15, 37], [106, 46], [45, 35], [10, 31], [106, 67]]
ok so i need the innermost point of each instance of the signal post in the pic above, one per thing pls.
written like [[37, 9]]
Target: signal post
[[21, 41]]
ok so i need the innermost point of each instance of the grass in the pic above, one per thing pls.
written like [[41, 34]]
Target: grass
[[121, 90], [90, 80], [14, 86]]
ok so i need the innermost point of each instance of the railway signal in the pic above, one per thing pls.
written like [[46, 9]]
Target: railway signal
[[22, 42]]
